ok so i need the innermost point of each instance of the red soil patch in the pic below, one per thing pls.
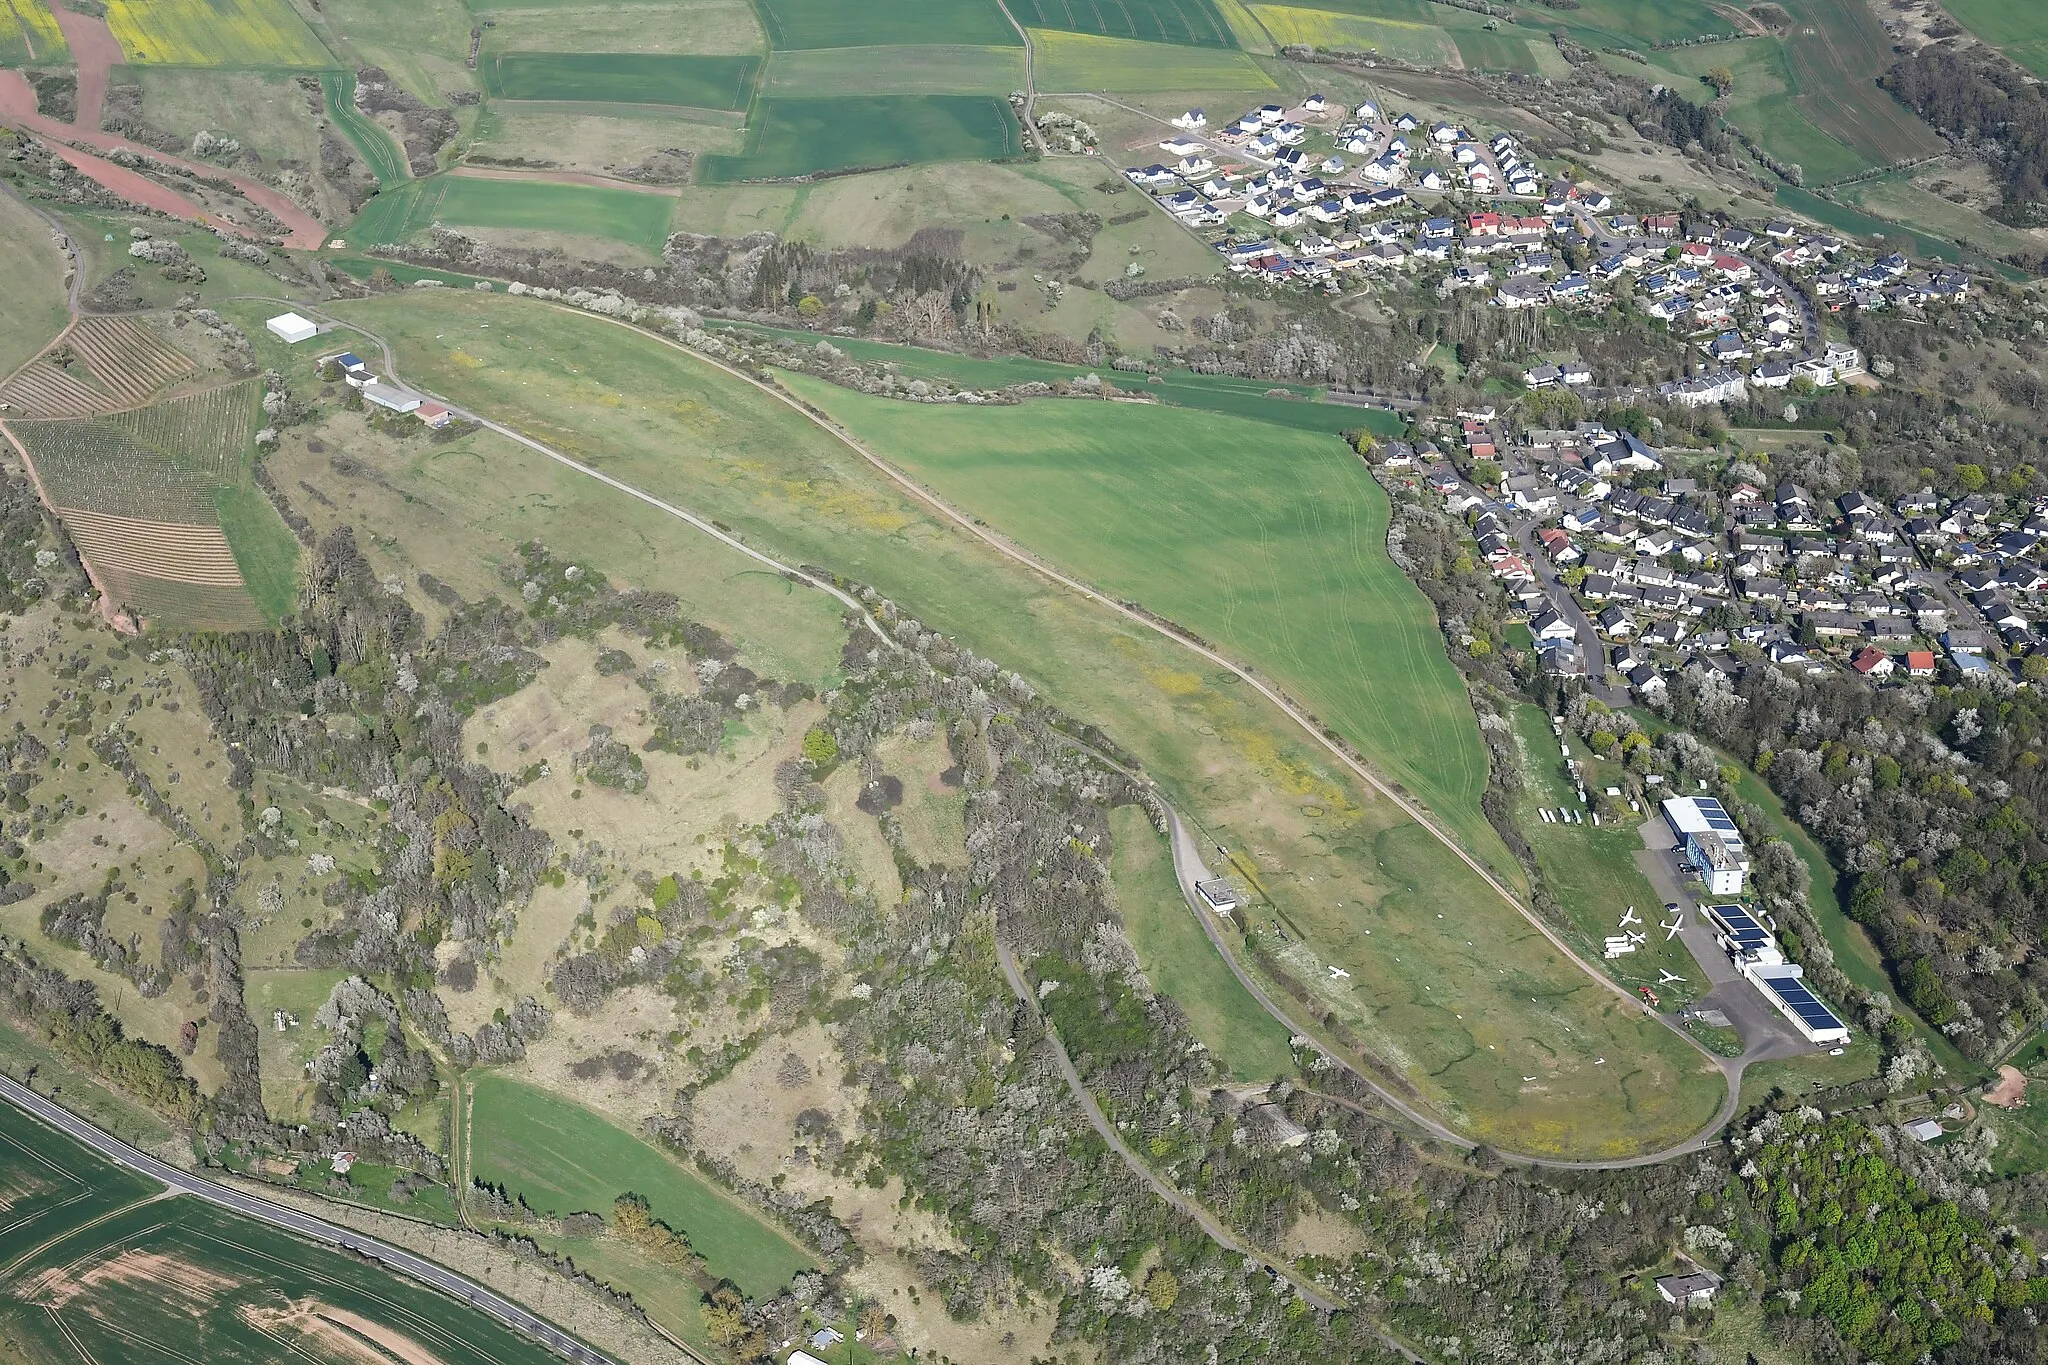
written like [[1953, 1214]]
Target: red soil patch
[[181, 1283], [94, 49], [2011, 1090], [18, 108]]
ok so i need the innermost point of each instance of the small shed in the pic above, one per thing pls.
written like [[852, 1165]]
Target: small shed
[[291, 328], [433, 414]]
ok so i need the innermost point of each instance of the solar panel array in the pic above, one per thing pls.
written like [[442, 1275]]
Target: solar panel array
[[1802, 1002], [1717, 820]]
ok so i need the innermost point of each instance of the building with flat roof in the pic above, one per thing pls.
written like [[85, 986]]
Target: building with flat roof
[[291, 329], [1745, 940], [1688, 1291], [1713, 845], [1783, 987], [1220, 895]]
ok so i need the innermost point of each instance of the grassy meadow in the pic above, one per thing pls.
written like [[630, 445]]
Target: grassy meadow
[[790, 137], [562, 1159], [622, 78], [1180, 961], [632, 217], [834, 23], [32, 303], [251, 33], [1196, 23], [1417, 929], [1415, 41], [1267, 542], [1073, 62], [708, 27], [386, 159]]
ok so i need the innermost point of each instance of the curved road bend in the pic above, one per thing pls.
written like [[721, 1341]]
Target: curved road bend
[[305, 1225], [1008, 550]]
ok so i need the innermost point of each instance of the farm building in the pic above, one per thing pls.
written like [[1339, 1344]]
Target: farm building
[[1220, 895], [391, 396], [433, 414], [291, 328], [1924, 1130]]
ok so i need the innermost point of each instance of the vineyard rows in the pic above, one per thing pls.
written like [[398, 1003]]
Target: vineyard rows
[[100, 468], [46, 390], [191, 606], [127, 357], [210, 432], [197, 555]]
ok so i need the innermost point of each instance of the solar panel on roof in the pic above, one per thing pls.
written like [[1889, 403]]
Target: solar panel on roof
[[1803, 1002]]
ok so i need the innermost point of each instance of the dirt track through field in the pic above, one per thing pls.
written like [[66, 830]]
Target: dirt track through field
[[94, 48], [603, 182], [18, 108]]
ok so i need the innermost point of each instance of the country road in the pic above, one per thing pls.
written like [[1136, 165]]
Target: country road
[[427, 1272]]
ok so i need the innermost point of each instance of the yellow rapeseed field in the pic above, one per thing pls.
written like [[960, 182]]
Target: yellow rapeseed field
[[1421, 44], [244, 33], [28, 33]]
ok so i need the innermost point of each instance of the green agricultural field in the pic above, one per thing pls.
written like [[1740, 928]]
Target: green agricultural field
[[32, 309], [1452, 992], [1193, 22], [420, 44], [795, 137], [2018, 29], [386, 159], [708, 27], [562, 1159], [881, 23], [1835, 56], [622, 78], [630, 216], [1180, 961], [1843, 218], [1419, 42], [932, 70], [100, 1269], [1268, 542], [1075, 62]]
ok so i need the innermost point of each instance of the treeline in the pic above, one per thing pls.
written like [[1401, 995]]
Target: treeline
[[1978, 95], [68, 1013]]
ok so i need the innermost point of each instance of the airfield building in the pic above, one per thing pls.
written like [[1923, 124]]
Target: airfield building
[[1713, 846]]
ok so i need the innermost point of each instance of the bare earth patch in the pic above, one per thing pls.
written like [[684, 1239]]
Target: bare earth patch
[[2011, 1090], [340, 1335], [190, 1287]]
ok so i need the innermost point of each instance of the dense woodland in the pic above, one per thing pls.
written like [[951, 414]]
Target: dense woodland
[[1982, 98]]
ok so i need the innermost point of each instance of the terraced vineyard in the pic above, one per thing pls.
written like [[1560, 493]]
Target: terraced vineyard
[[43, 389], [159, 502], [97, 365]]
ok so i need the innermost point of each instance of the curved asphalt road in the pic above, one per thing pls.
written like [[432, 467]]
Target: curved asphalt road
[[305, 1225]]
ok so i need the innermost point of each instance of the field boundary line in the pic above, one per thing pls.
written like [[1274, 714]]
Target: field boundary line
[[1029, 120]]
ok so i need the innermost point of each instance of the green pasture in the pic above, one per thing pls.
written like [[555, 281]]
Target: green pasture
[[1592, 870], [2017, 28], [933, 70], [32, 308], [1076, 62], [1417, 41], [1195, 23], [1899, 200], [1268, 542], [1450, 991], [878, 23], [629, 216], [203, 1278], [1180, 961], [623, 78], [562, 1159], [386, 159], [796, 137], [1834, 70], [1844, 218]]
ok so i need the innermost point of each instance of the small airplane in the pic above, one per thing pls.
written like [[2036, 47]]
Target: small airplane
[[1671, 929], [1630, 917], [1339, 973], [1528, 1078], [1670, 978], [1638, 938]]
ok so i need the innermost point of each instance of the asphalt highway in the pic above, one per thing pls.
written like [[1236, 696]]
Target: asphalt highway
[[305, 1225]]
